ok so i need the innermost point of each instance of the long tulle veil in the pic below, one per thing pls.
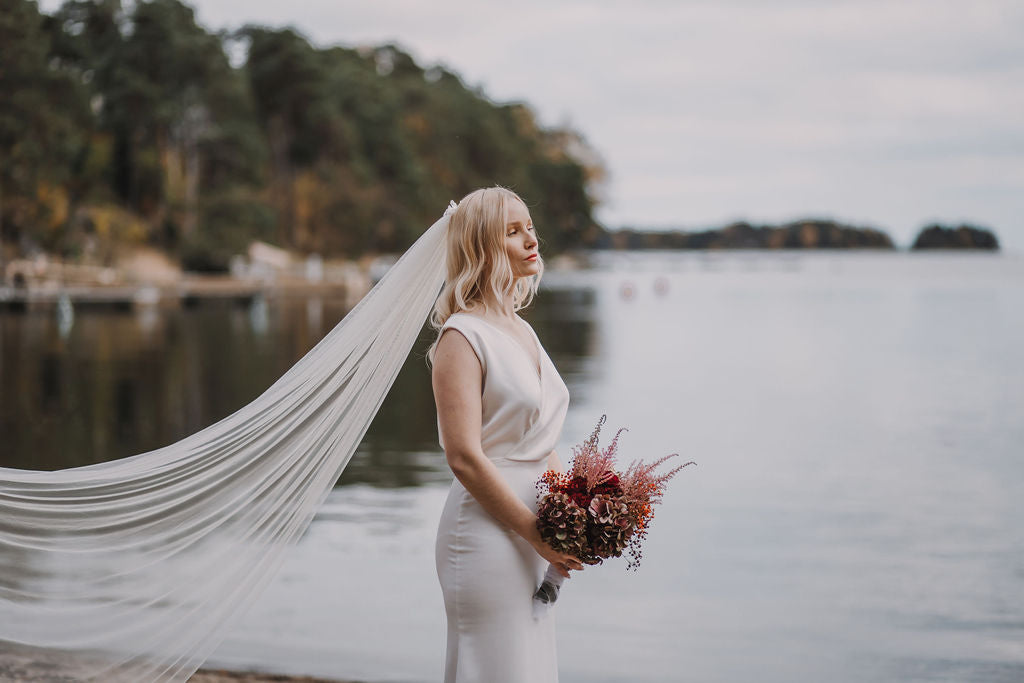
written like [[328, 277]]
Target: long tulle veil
[[131, 570]]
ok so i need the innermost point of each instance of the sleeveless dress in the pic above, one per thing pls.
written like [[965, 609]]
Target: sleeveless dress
[[488, 573]]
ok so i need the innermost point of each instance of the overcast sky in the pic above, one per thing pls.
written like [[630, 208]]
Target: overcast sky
[[887, 113]]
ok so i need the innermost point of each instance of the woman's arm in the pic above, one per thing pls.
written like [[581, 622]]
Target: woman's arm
[[457, 381]]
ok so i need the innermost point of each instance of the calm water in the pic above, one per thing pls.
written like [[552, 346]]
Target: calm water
[[855, 515]]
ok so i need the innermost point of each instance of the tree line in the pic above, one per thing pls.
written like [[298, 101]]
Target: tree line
[[122, 126]]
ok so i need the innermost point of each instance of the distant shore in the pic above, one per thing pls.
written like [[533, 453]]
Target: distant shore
[[145, 277], [800, 234]]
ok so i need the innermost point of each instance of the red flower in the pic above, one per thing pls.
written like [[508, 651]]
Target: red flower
[[577, 485], [609, 486]]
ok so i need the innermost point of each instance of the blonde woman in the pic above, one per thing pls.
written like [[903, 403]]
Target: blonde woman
[[500, 409]]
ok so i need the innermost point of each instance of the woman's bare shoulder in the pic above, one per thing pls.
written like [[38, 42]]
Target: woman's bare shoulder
[[456, 349]]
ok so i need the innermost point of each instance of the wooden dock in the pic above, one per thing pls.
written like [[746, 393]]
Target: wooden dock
[[187, 293]]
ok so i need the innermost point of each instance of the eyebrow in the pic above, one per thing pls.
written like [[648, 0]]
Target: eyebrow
[[514, 224]]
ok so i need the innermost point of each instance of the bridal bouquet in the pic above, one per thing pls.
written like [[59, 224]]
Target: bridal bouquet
[[594, 511]]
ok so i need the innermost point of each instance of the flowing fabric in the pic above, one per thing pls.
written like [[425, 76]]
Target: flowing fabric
[[131, 570]]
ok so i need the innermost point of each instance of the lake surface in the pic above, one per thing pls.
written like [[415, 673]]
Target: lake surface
[[855, 514]]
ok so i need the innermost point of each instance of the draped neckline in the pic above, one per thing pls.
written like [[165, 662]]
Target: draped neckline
[[539, 370]]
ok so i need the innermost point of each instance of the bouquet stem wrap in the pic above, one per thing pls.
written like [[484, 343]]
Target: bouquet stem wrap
[[547, 594]]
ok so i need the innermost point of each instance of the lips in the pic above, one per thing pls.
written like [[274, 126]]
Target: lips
[[531, 257]]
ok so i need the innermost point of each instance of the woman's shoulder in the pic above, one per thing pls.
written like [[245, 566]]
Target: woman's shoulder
[[459, 319], [472, 326], [465, 324], [462, 318]]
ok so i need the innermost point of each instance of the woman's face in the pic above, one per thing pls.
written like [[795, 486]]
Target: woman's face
[[521, 241]]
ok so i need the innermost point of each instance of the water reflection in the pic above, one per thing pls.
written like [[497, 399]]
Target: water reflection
[[119, 383], [65, 315], [314, 312], [258, 315]]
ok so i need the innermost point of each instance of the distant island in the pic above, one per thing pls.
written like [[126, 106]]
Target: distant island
[[960, 237], [799, 234]]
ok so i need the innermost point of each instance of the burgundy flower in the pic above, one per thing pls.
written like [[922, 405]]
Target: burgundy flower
[[563, 524], [611, 525]]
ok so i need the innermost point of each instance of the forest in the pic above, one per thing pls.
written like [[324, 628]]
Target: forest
[[140, 126]]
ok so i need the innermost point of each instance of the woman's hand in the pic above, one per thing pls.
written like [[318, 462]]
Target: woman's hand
[[562, 562]]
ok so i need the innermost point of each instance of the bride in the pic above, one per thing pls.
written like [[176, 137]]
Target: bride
[[500, 409], [133, 569]]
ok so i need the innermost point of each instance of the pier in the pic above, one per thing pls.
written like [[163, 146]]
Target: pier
[[187, 293]]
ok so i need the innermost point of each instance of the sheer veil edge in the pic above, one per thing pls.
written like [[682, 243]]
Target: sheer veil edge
[[132, 570]]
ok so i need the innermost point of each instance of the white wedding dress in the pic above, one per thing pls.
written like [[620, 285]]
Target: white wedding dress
[[488, 573]]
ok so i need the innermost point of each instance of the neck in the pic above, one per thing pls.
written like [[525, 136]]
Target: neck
[[505, 307], [508, 307]]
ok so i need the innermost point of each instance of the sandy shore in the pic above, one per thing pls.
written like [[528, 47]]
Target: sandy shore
[[19, 663], [223, 676]]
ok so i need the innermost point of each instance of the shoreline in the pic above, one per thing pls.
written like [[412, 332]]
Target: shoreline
[[28, 664], [231, 676]]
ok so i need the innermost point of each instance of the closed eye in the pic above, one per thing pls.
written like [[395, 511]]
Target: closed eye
[[515, 229]]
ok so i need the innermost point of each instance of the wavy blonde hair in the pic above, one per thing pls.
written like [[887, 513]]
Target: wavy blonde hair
[[479, 272]]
